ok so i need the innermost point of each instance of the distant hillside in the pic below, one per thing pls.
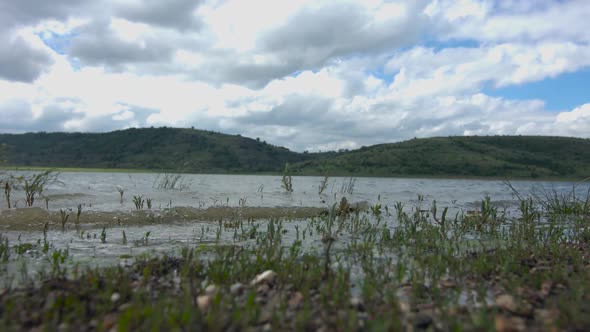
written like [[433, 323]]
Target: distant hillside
[[148, 148], [201, 151], [487, 156]]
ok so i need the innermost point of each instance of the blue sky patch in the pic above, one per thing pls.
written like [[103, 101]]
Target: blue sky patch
[[563, 92], [58, 43]]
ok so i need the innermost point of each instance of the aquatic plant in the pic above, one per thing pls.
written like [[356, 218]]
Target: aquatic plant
[[172, 181], [242, 201], [64, 214], [286, 180], [348, 185], [138, 201], [323, 185], [4, 249], [259, 191], [103, 235], [7, 191], [121, 192], [148, 202], [35, 184], [564, 203], [78, 213]]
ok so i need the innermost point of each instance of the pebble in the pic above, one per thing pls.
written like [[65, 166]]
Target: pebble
[[546, 288], [109, 321], [236, 289], [203, 302], [508, 303], [404, 307], [267, 277], [509, 324], [211, 290], [115, 297]]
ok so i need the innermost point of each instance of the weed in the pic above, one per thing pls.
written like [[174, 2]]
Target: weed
[[103, 235], [78, 213], [172, 181], [348, 186], [64, 214], [287, 180], [138, 201], [323, 184], [7, 191], [121, 192]]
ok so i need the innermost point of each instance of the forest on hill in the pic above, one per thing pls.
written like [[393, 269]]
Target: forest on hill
[[480, 156], [199, 151], [165, 148]]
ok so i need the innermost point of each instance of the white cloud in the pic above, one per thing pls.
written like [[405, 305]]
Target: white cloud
[[304, 74]]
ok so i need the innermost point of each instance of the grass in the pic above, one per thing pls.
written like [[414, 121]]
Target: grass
[[347, 269]]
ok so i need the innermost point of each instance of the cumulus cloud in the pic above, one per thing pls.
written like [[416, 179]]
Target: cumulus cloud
[[175, 14], [305, 74], [20, 61], [114, 43]]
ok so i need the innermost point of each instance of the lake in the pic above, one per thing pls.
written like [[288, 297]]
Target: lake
[[96, 244]]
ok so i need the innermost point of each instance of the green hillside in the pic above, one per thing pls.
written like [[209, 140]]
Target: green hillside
[[147, 148], [487, 156], [210, 152]]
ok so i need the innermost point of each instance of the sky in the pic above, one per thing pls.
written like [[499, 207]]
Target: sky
[[305, 74]]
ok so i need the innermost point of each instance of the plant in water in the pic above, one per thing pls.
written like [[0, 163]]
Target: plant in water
[[65, 214], [7, 190], [121, 192], [442, 220], [148, 202], [348, 186], [172, 181], [138, 201], [323, 185], [103, 235], [78, 213], [287, 183], [259, 191], [33, 184]]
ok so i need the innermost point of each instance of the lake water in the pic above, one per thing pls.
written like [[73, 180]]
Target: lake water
[[97, 193]]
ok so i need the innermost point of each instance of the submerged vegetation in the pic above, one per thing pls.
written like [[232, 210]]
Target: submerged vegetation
[[424, 267]]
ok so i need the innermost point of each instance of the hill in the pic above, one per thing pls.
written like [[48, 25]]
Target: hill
[[201, 151], [485, 156], [148, 148]]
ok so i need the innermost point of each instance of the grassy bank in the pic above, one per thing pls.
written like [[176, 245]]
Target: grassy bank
[[383, 268]]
